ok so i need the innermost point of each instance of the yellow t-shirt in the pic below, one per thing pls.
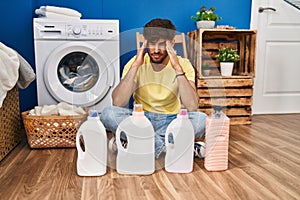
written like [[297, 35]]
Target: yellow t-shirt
[[158, 91]]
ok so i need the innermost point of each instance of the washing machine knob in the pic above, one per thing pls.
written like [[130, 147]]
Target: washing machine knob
[[76, 30]]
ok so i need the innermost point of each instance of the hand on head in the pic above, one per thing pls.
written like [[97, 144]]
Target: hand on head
[[139, 60], [173, 56]]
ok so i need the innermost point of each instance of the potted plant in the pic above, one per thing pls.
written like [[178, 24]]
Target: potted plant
[[206, 18], [227, 57], [205, 70]]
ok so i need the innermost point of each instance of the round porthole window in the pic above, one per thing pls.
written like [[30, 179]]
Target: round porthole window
[[78, 72]]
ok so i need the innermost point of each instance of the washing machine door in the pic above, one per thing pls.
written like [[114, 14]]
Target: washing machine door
[[78, 73]]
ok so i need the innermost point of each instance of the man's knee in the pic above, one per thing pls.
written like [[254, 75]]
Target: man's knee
[[106, 114], [114, 114], [198, 116], [106, 110], [198, 120]]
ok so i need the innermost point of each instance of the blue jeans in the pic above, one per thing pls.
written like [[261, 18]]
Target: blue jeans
[[112, 116]]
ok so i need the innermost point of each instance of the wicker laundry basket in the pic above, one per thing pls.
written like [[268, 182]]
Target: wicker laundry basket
[[52, 131], [10, 124]]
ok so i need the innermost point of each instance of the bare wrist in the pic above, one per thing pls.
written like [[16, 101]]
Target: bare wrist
[[178, 70]]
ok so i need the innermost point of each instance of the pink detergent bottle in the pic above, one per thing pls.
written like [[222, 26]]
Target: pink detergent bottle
[[216, 141]]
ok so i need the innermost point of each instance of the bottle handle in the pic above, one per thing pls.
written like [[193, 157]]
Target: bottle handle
[[79, 148], [169, 140], [118, 141]]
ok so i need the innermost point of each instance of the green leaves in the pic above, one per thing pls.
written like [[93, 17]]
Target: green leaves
[[227, 55], [205, 14]]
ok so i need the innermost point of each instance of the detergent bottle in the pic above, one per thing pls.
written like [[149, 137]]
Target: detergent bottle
[[137, 157], [216, 141], [91, 144], [179, 140]]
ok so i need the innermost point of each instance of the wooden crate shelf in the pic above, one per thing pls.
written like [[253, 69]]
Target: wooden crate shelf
[[227, 92], [237, 115], [204, 44], [230, 81], [233, 93], [225, 102]]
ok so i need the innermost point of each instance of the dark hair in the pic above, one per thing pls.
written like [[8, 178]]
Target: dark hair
[[159, 29]]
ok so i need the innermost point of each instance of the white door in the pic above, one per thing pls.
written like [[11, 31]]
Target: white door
[[277, 81]]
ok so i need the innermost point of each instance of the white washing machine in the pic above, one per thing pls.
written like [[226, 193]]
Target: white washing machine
[[77, 61]]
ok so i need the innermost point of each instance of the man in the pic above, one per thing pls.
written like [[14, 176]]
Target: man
[[161, 81]]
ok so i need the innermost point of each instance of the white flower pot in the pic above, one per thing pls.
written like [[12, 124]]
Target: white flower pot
[[205, 24], [226, 68], [206, 72]]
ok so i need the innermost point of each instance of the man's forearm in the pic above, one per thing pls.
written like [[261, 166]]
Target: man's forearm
[[188, 93], [124, 90]]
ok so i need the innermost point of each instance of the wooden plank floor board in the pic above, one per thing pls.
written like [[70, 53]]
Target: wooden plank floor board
[[268, 180], [264, 163], [209, 189], [165, 186]]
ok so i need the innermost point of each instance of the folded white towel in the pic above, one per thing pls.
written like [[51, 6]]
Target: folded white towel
[[9, 70], [67, 109], [62, 109], [57, 12], [63, 112], [36, 111], [49, 110], [62, 10], [54, 15]]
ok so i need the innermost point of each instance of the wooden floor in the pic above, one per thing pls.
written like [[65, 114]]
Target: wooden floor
[[264, 163]]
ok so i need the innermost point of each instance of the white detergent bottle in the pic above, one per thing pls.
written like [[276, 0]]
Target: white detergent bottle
[[138, 155], [216, 141], [91, 144], [179, 140]]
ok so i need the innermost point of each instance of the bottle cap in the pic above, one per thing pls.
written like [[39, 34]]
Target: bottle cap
[[183, 112], [217, 108], [93, 113], [217, 111], [138, 108]]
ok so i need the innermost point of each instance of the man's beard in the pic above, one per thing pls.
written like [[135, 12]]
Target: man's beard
[[159, 60]]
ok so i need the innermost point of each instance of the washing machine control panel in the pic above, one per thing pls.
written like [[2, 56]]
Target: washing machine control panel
[[91, 31], [83, 29]]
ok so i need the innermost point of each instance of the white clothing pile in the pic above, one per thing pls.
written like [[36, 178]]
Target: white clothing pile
[[54, 12], [62, 109], [13, 69]]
